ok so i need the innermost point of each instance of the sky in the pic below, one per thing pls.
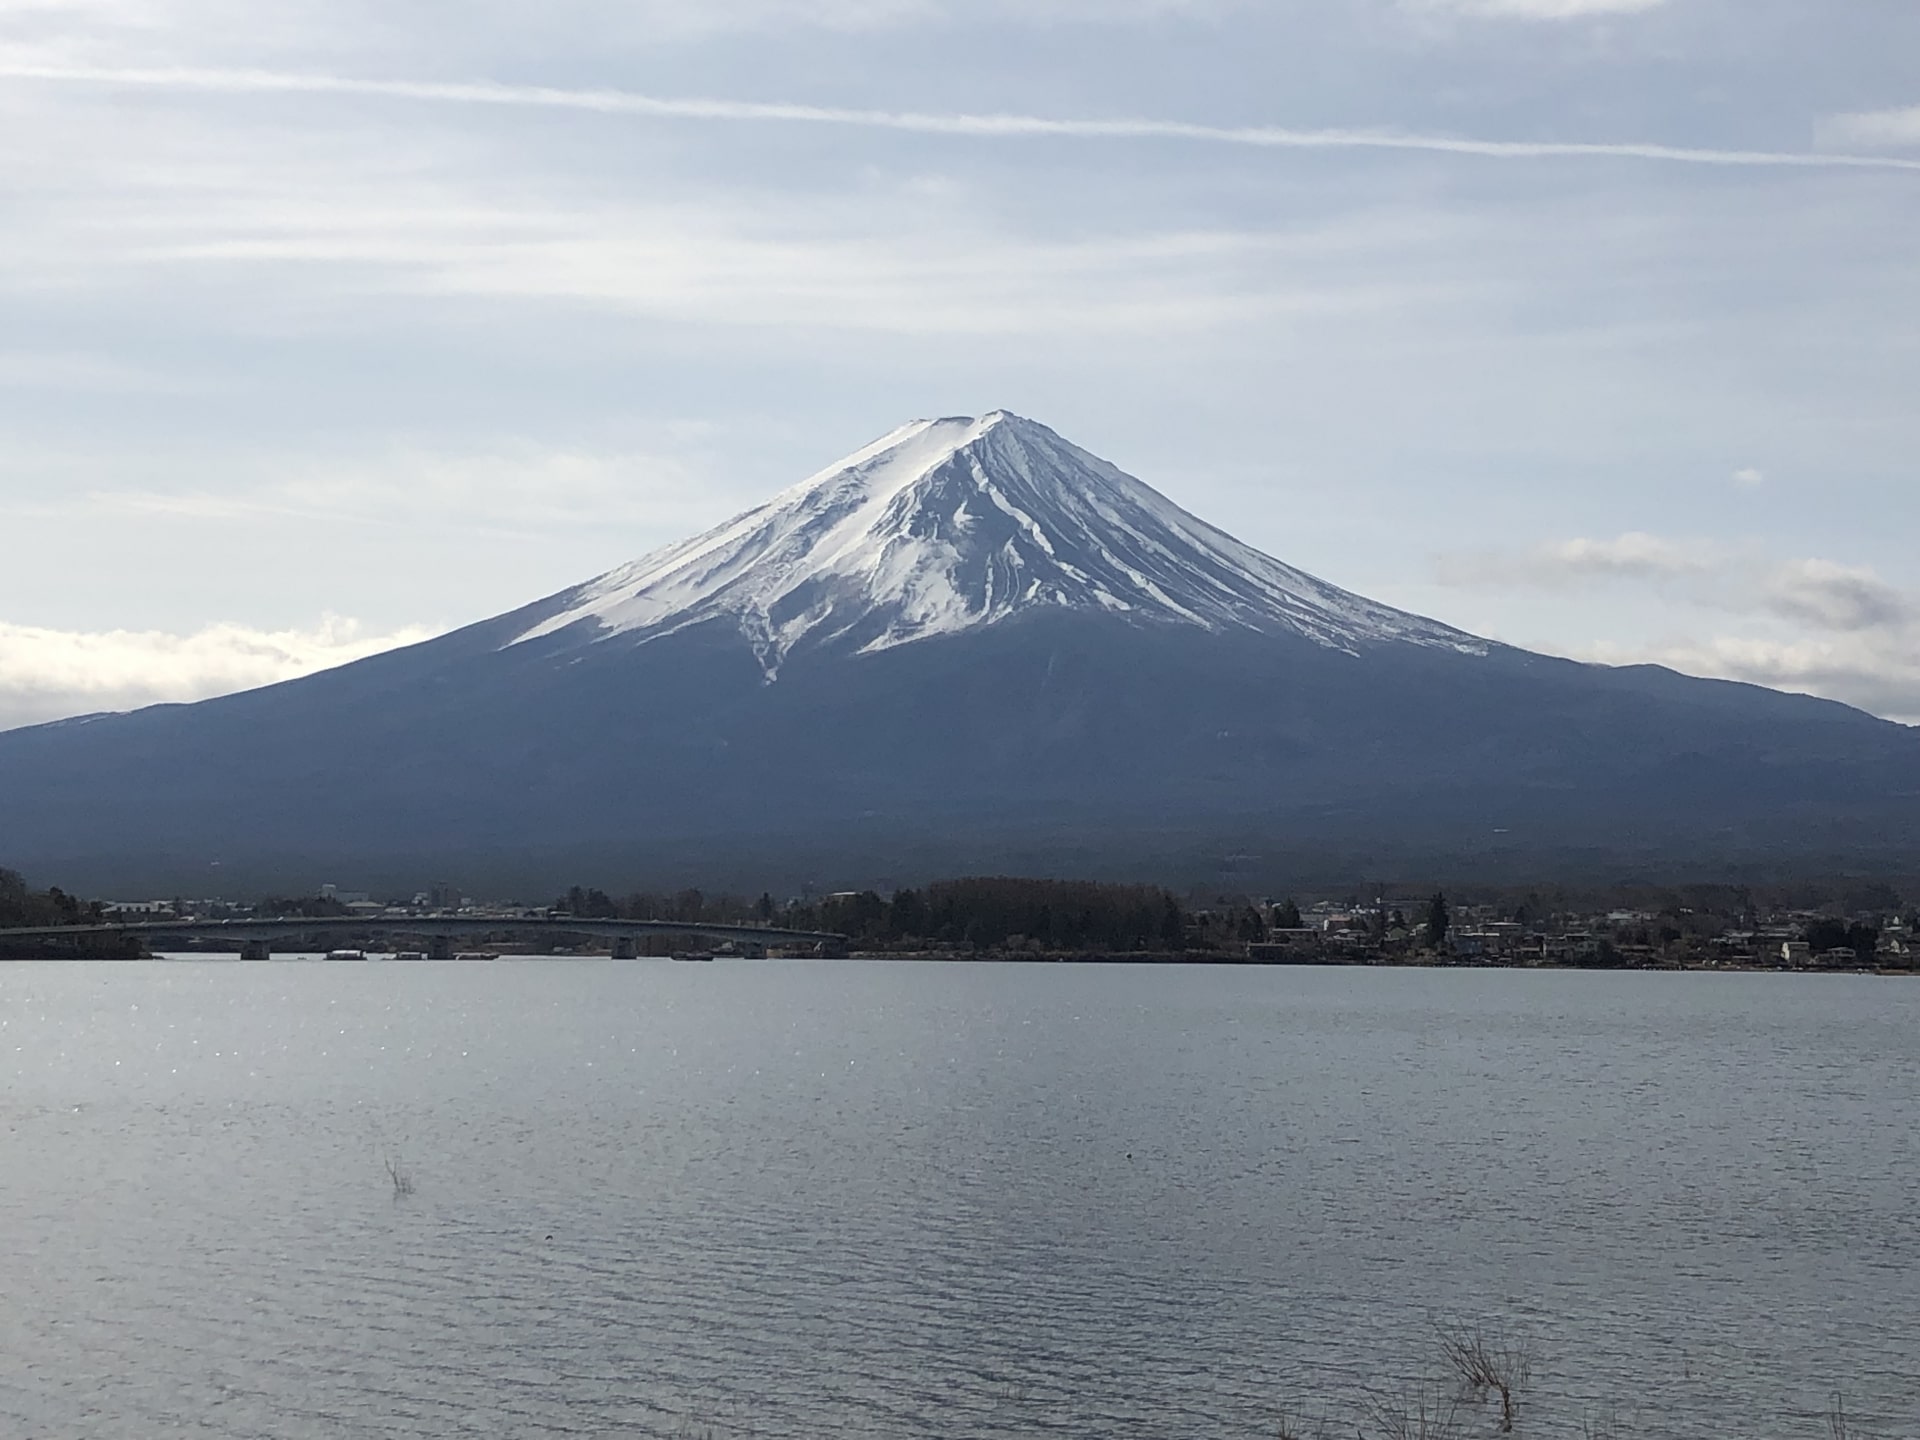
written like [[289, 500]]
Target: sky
[[1592, 326]]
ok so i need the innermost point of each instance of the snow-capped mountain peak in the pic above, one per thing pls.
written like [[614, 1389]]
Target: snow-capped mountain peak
[[951, 524]]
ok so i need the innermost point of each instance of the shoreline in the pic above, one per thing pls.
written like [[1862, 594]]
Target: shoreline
[[1189, 960]]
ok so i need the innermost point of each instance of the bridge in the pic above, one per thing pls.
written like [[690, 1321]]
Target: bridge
[[436, 934]]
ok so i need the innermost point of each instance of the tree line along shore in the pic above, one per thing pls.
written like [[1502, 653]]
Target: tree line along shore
[[1814, 925]]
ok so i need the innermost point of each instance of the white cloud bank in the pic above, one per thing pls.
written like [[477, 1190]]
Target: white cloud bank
[[48, 674], [1878, 673], [1841, 631]]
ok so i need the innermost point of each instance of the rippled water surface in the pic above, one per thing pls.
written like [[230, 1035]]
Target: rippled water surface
[[904, 1200]]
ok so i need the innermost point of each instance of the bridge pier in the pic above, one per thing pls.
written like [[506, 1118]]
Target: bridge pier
[[624, 949], [256, 950], [440, 947]]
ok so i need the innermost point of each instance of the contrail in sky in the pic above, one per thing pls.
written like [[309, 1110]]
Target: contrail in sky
[[626, 102]]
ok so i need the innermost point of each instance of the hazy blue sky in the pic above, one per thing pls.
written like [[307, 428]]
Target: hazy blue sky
[[331, 322]]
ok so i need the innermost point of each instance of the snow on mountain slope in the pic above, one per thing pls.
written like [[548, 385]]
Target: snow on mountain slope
[[946, 525]]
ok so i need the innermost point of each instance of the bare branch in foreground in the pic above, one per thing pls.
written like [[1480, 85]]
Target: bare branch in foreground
[[1489, 1366]]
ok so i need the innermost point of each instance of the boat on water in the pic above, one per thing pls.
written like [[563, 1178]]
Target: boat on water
[[346, 955], [411, 955], [696, 955], [476, 955]]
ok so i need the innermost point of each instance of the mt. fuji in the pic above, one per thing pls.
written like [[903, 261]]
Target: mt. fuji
[[946, 526], [971, 646]]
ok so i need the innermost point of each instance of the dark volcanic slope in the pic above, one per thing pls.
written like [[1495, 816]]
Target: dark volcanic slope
[[977, 648]]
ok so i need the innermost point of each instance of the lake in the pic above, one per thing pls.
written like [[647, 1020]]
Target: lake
[[812, 1199]]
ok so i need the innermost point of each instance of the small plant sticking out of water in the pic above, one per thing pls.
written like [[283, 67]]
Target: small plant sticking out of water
[[402, 1178], [1838, 1425], [1293, 1426], [1488, 1367], [1420, 1415], [1484, 1367]]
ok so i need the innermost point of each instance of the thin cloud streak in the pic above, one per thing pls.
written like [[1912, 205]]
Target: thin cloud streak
[[997, 127]]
